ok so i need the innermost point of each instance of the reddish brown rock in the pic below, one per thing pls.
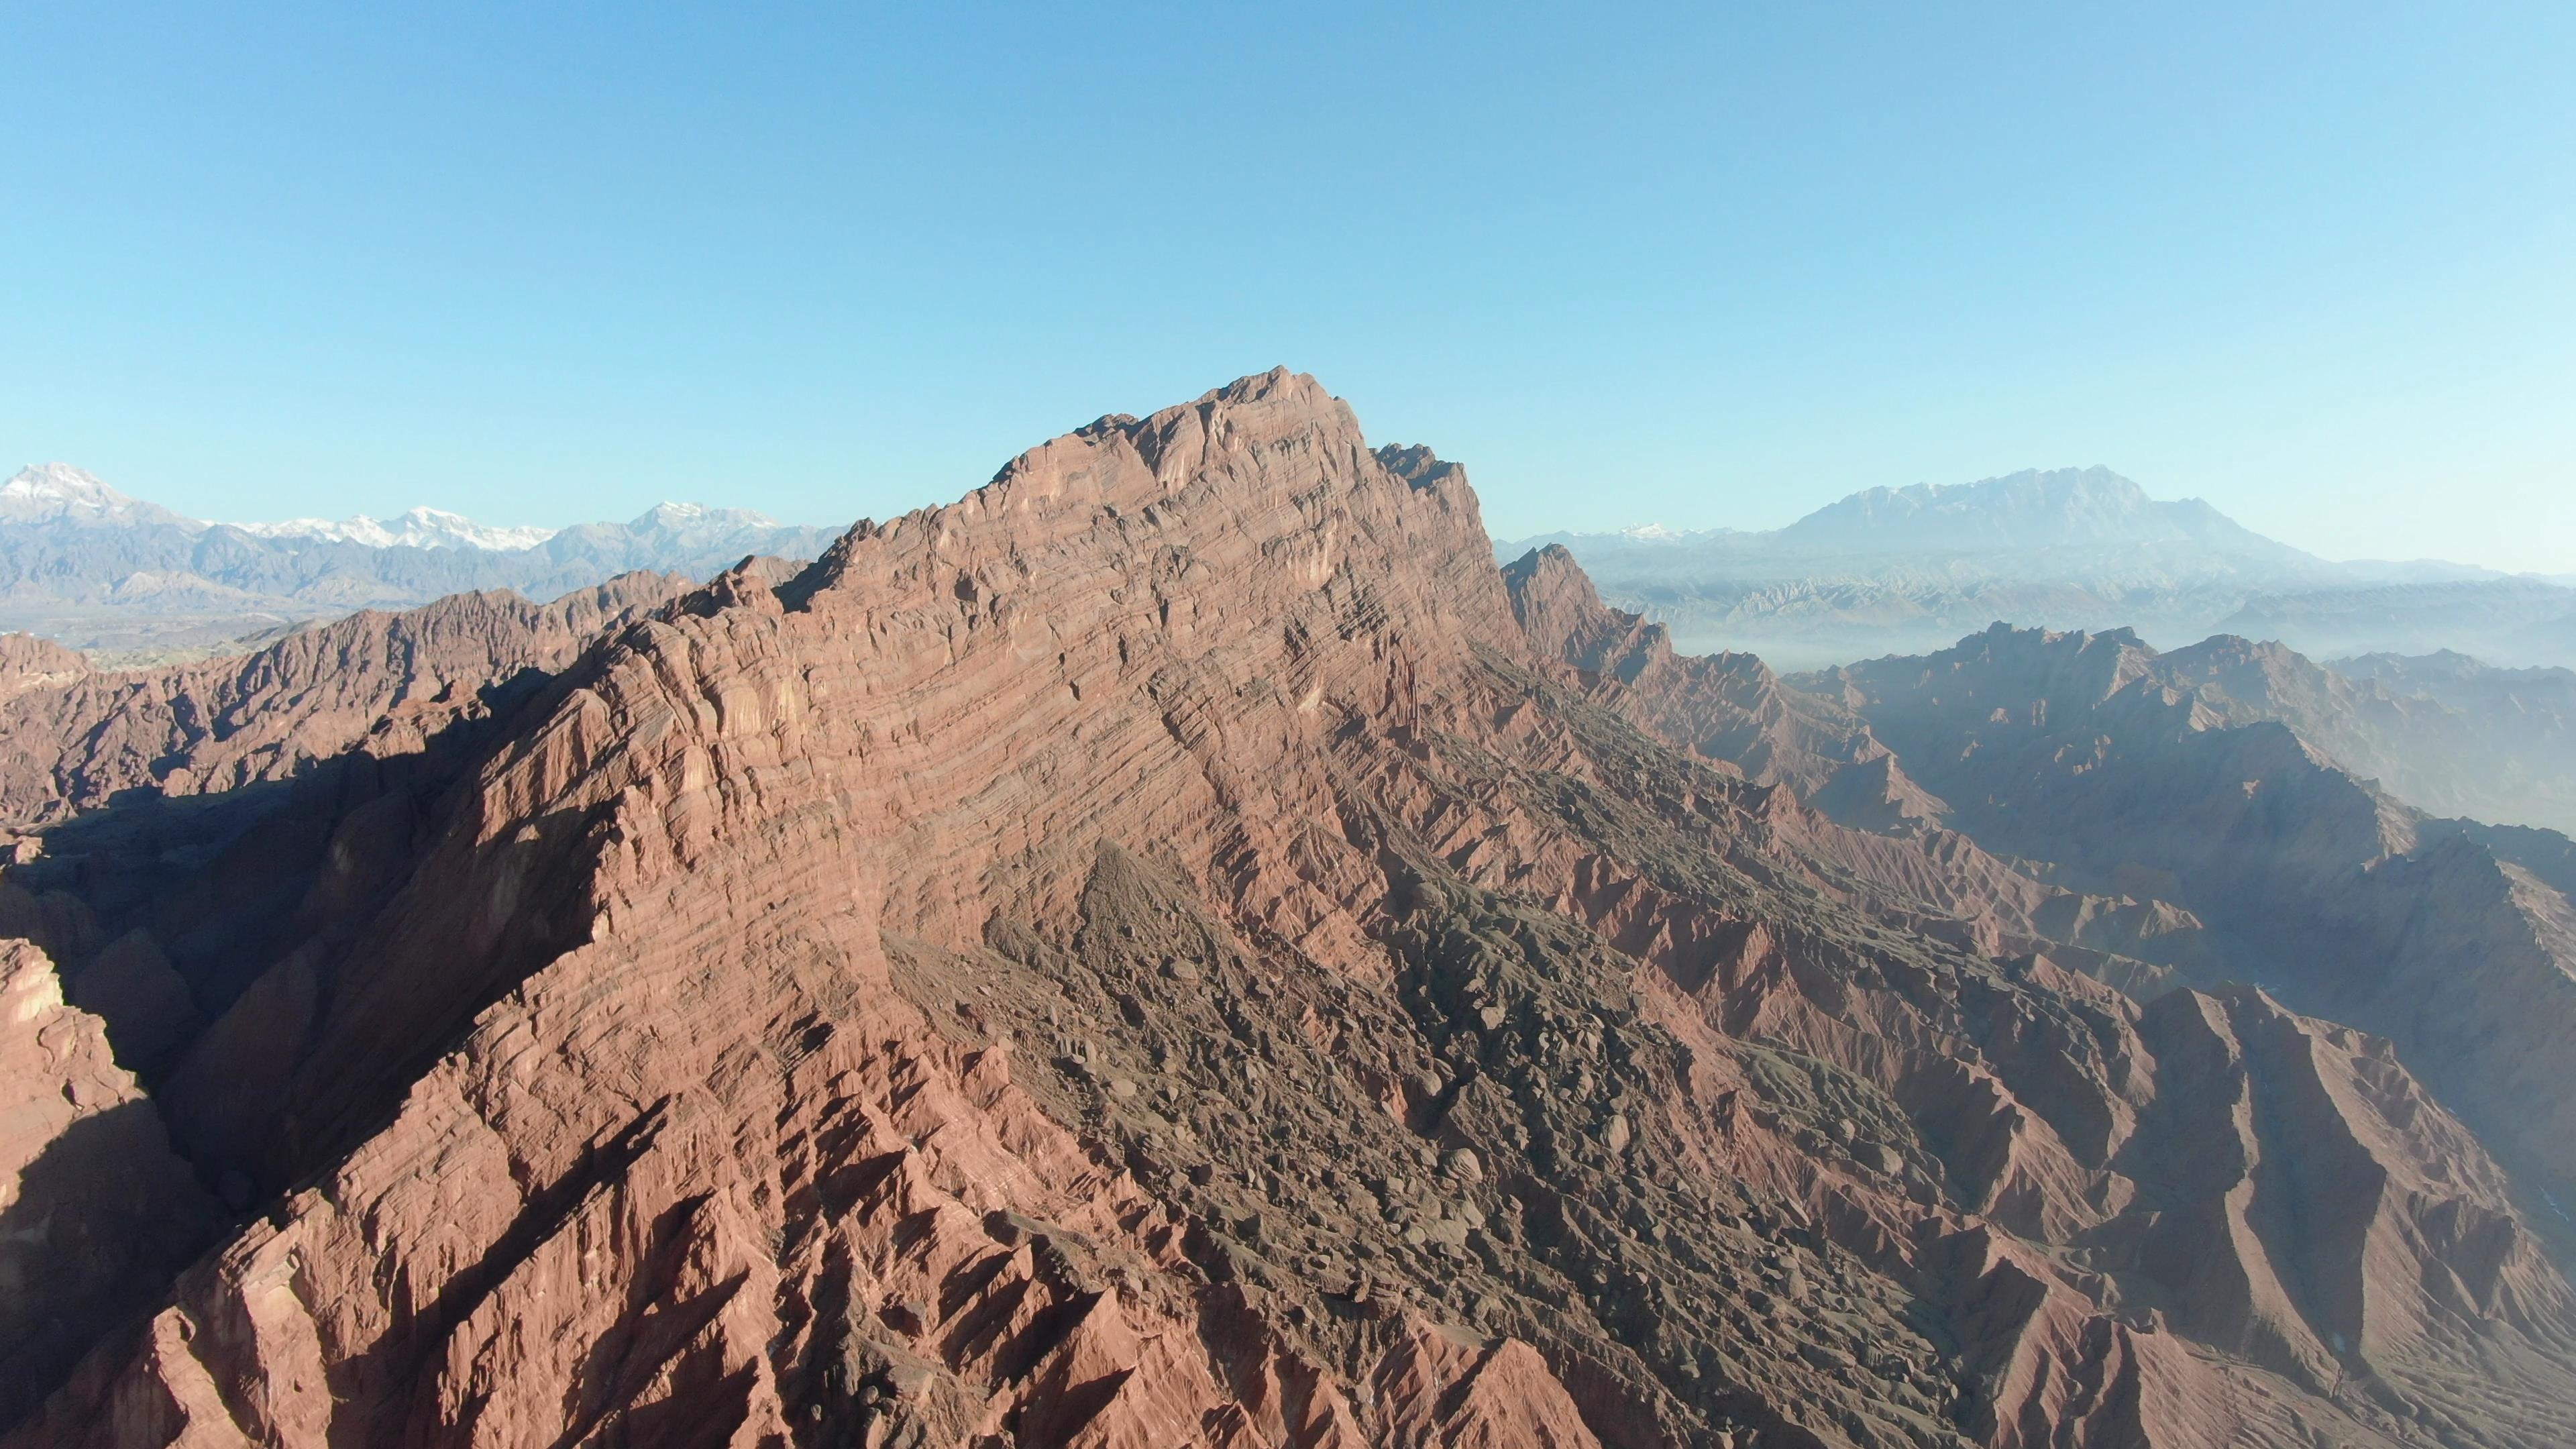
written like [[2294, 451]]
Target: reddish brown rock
[[1726, 707], [28, 662], [71, 739], [1154, 953], [1878, 832], [95, 1212]]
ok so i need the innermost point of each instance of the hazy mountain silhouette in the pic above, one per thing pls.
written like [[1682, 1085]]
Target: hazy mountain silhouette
[[1907, 570]]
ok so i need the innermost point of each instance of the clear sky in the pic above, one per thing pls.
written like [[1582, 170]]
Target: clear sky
[[1706, 264]]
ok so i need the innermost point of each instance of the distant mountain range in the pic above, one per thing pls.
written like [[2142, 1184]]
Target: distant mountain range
[[1904, 570], [88, 566], [1883, 571], [418, 528]]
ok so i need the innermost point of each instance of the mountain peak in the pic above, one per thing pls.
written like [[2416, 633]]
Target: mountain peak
[[2055, 505], [422, 527], [2037, 508], [673, 519], [61, 493]]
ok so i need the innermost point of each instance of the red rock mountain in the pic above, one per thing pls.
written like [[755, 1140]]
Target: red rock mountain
[[27, 662], [71, 739], [1176, 948]]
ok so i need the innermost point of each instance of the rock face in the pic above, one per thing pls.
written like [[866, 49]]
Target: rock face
[[1175, 948], [214, 814], [1874, 837], [1728, 707], [96, 1214], [27, 662], [71, 739]]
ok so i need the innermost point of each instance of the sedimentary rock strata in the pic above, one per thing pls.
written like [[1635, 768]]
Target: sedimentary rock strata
[[1176, 948]]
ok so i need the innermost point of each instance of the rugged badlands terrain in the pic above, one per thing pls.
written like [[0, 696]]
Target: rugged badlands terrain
[[1177, 948]]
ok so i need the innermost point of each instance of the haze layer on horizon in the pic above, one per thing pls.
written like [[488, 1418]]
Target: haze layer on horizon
[[1669, 265]]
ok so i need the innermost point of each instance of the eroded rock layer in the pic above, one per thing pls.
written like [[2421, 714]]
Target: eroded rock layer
[[72, 738], [1172, 949]]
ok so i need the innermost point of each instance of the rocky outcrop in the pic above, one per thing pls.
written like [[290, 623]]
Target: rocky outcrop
[[73, 740], [1160, 951], [95, 1211], [1726, 707], [1875, 836], [27, 662]]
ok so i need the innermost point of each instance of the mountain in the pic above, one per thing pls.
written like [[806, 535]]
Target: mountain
[[58, 493], [1729, 707], [1177, 947], [2519, 621], [419, 528], [2497, 744], [2065, 508], [1908, 570], [85, 565], [73, 740], [2205, 778]]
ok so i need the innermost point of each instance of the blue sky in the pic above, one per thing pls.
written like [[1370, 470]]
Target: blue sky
[[1709, 265]]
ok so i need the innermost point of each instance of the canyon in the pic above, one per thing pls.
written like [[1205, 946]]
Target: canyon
[[1178, 947]]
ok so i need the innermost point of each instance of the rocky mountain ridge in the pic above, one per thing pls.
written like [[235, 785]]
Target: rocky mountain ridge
[[1177, 947], [2205, 777]]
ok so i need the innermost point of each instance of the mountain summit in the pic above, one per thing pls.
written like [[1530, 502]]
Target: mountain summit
[[1908, 570], [416, 528], [2088, 508], [60, 493]]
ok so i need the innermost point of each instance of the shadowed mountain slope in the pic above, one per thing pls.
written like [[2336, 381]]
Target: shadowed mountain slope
[[2204, 777], [2496, 744]]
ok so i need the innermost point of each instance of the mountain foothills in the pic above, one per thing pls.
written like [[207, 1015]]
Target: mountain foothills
[[1907, 570], [89, 567], [1178, 947]]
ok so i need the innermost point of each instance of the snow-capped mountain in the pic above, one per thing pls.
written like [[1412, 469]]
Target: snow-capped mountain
[[418, 528], [89, 566], [61, 493]]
